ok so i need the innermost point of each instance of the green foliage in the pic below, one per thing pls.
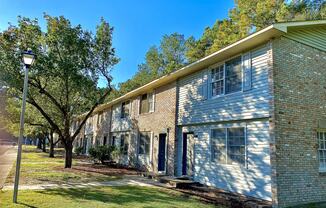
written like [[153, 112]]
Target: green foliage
[[63, 81], [246, 17], [102, 153], [249, 16], [159, 60], [78, 150]]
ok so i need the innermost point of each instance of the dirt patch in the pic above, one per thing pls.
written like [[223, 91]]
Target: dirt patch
[[222, 197]]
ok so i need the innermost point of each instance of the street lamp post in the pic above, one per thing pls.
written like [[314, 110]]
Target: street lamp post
[[28, 59]]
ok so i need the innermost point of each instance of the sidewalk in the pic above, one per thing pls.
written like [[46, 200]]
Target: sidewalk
[[7, 157], [127, 180]]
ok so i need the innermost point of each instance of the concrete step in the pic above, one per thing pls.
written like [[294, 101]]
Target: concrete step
[[176, 182]]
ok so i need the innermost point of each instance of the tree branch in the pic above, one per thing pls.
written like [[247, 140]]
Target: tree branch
[[45, 115], [90, 112]]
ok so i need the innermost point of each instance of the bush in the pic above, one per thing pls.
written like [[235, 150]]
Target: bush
[[102, 153], [78, 150]]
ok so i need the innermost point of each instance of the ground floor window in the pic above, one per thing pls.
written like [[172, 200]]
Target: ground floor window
[[124, 144], [322, 150], [144, 143], [228, 145]]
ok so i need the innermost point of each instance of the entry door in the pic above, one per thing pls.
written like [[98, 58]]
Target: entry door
[[161, 152], [84, 145], [188, 154]]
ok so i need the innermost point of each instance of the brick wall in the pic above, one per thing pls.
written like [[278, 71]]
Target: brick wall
[[159, 121], [299, 85]]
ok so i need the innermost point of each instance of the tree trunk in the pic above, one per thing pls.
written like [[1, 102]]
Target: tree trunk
[[51, 152], [68, 155], [44, 144], [39, 143]]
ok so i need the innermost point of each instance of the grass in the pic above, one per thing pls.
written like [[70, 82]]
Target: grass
[[38, 168], [124, 196]]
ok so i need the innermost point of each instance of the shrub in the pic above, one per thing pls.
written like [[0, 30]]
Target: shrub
[[78, 150], [102, 153]]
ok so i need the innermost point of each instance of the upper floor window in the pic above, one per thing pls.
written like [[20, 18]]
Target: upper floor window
[[125, 109], [218, 81], [227, 78], [147, 103], [144, 143], [228, 146], [322, 150], [99, 118], [233, 75]]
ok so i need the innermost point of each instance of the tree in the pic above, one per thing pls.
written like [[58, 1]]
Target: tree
[[63, 81], [35, 124], [159, 60], [249, 16]]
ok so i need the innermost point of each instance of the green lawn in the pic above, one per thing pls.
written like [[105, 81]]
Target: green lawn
[[126, 196], [38, 168]]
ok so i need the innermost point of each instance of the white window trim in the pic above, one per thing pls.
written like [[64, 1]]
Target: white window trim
[[150, 144], [226, 147], [321, 170], [125, 117], [153, 102], [223, 63]]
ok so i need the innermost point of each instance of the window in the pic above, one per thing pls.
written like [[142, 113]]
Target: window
[[233, 75], [97, 141], [144, 143], [113, 142], [219, 145], [125, 109], [99, 118], [147, 103], [227, 78], [322, 150], [228, 146], [218, 81], [124, 144]]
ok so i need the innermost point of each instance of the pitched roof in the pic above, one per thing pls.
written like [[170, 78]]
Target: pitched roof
[[240, 46]]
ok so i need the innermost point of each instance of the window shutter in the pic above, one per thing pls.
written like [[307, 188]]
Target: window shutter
[[246, 63], [204, 85], [138, 107], [152, 97], [151, 147]]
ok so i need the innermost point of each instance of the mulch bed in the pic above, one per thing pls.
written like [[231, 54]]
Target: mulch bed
[[222, 197]]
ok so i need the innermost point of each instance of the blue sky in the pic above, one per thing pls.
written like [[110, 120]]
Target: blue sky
[[138, 24]]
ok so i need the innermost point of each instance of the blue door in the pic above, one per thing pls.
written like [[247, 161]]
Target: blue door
[[161, 152]]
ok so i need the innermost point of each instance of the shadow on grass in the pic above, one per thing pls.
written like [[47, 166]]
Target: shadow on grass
[[120, 195], [26, 205]]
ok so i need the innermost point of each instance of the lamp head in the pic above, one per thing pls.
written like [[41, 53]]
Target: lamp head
[[28, 58]]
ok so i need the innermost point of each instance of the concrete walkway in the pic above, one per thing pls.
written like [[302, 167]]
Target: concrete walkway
[[127, 180], [8, 155]]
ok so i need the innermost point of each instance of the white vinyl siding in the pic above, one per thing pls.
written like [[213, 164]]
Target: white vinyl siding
[[251, 102], [253, 179]]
